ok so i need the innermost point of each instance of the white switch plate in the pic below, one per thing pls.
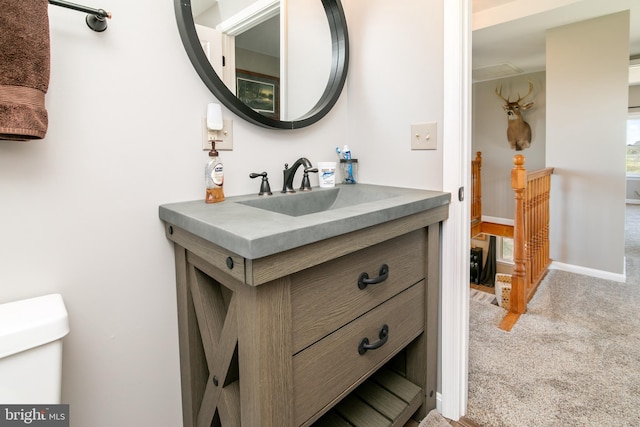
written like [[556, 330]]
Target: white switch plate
[[225, 135], [424, 136]]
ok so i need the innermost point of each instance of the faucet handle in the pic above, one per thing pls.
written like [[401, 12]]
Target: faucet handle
[[265, 188], [306, 184]]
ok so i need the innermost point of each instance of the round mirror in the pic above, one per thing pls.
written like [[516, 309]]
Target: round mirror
[[293, 96]]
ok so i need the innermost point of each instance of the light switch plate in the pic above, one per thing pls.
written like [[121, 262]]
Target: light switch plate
[[424, 136], [225, 135]]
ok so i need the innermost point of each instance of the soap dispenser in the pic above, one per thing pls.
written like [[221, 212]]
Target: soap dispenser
[[214, 177]]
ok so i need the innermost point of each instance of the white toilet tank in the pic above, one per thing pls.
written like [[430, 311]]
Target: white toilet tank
[[31, 333]]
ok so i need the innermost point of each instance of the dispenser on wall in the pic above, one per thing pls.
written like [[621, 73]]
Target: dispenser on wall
[[216, 128]]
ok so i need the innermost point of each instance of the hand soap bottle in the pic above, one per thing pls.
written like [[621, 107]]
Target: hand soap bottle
[[214, 177]]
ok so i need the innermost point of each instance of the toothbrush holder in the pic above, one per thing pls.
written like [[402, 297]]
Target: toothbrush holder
[[349, 168]]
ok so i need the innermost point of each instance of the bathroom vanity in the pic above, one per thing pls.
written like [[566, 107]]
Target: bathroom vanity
[[296, 309]]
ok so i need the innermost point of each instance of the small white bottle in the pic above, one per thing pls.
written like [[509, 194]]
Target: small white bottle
[[214, 177]]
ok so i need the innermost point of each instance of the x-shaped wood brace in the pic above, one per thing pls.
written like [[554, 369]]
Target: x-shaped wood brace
[[219, 333]]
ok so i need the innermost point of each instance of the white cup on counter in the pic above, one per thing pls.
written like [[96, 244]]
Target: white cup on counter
[[327, 174]]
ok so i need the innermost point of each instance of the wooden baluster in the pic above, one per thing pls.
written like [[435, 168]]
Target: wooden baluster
[[478, 199], [535, 235], [529, 211], [476, 187], [539, 204], [540, 227], [545, 256], [531, 227]]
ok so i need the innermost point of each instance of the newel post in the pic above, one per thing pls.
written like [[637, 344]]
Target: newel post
[[476, 188], [517, 303]]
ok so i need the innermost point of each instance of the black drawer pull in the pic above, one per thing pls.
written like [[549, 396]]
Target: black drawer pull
[[364, 344], [383, 274]]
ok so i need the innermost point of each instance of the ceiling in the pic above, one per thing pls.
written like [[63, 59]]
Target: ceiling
[[509, 35]]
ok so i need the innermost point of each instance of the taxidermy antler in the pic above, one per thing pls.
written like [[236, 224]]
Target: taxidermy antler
[[518, 131]]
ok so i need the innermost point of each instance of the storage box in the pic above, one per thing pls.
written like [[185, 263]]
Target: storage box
[[503, 289]]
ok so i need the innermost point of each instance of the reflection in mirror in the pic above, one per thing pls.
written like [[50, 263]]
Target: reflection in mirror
[[258, 76], [309, 57], [274, 56]]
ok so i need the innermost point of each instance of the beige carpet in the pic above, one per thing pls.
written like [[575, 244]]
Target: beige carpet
[[572, 360], [482, 296], [434, 419]]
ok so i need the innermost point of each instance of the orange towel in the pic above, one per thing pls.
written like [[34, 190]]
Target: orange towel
[[24, 68]]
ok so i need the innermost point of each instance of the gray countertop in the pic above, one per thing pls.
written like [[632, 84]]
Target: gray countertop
[[253, 232]]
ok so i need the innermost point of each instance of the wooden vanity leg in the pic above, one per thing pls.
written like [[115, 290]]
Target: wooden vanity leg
[[422, 353], [433, 312], [193, 366], [265, 354]]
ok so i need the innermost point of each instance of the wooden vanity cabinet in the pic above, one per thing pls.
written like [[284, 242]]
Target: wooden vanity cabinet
[[278, 341]]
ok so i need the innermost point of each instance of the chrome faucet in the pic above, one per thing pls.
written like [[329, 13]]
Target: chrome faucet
[[289, 173]]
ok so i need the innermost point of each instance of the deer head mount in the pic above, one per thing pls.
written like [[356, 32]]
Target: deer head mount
[[518, 131]]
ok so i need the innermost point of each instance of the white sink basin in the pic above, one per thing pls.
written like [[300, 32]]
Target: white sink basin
[[318, 200]]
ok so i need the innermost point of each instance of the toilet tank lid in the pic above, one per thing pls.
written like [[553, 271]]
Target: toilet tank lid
[[29, 323]]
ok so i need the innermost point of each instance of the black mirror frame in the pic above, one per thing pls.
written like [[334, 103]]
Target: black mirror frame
[[337, 77]]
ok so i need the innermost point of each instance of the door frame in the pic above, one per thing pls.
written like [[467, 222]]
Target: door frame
[[454, 331]]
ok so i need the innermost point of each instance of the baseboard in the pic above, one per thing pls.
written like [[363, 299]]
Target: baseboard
[[633, 201], [600, 274], [497, 220]]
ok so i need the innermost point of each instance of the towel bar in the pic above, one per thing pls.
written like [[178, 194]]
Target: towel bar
[[95, 18]]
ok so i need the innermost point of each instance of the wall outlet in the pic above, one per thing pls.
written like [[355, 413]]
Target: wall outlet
[[424, 136], [225, 135]]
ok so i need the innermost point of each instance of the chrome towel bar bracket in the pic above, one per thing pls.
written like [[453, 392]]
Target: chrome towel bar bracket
[[96, 18]]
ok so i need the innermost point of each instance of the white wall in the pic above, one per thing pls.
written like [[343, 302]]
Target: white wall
[[396, 74], [587, 96], [490, 137], [80, 208], [634, 96]]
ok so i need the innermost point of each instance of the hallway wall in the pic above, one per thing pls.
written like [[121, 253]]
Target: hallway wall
[[587, 97], [490, 137]]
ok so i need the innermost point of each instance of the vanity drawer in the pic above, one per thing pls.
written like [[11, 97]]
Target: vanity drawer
[[326, 297], [331, 367]]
